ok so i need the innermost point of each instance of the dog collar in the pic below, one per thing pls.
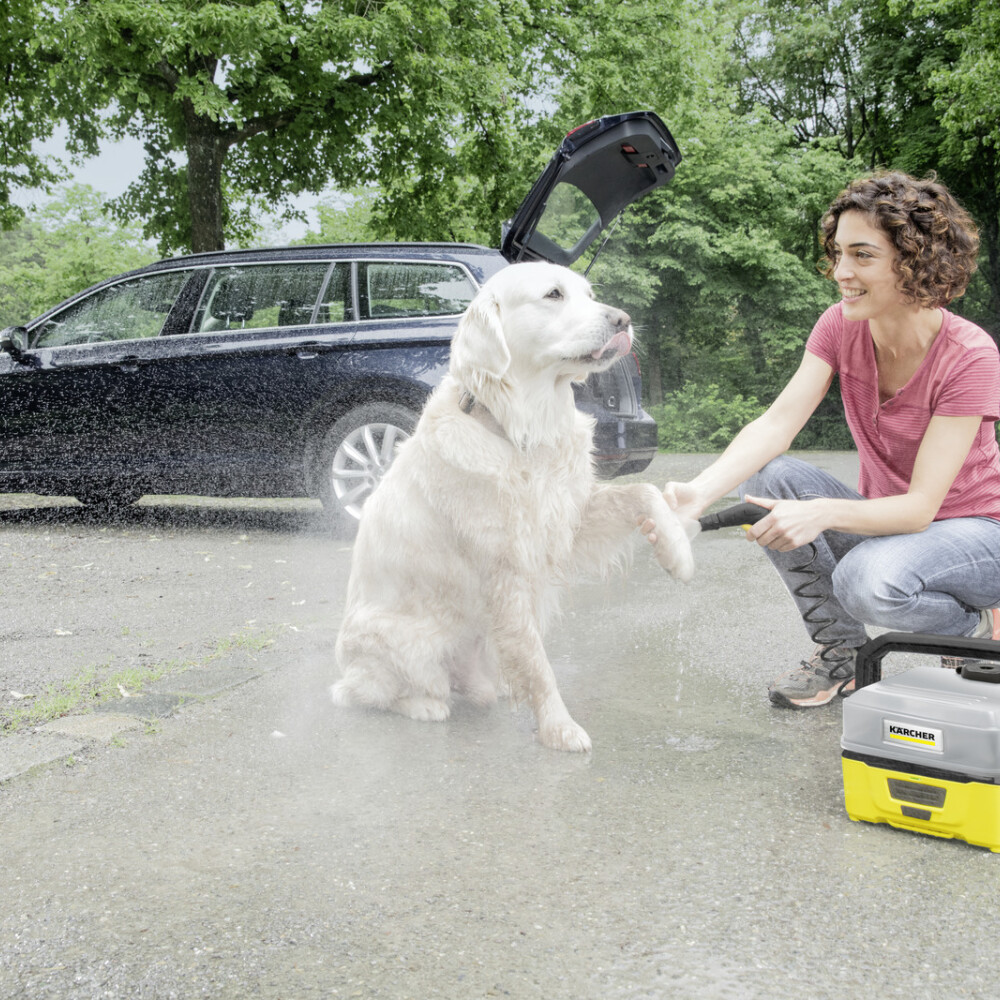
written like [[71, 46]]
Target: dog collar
[[468, 403]]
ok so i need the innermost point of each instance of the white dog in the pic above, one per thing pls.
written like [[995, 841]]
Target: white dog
[[489, 507]]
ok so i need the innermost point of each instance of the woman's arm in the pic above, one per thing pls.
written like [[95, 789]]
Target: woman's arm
[[762, 439], [944, 448]]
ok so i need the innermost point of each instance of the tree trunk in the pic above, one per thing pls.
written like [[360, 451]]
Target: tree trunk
[[754, 342], [653, 381], [206, 150]]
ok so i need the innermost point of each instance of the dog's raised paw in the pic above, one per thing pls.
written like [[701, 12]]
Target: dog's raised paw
[[673, 553]]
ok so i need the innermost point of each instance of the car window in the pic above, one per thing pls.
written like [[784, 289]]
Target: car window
[[570, 222], [396, 288], [260, 295], [126, 311]]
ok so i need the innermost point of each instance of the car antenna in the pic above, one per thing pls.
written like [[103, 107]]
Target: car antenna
[[604, 242]]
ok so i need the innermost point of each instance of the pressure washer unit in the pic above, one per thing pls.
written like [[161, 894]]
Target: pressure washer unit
[[921, 749]]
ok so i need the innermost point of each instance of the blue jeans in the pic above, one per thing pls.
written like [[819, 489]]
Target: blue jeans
[[931, 581]]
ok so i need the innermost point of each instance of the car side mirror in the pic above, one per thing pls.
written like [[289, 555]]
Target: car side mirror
[[14, 341]]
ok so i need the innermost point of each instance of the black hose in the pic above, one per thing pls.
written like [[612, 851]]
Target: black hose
[[732, 517]]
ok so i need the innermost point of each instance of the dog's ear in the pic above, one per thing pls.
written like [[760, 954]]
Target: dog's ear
[[479, 346]]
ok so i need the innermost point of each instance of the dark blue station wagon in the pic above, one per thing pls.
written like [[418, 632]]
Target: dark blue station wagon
[[296, 371]]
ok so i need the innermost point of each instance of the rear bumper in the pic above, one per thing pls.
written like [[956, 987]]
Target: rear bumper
[[624, 446]]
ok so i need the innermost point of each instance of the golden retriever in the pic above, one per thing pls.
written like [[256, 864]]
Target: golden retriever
[[489, 508]]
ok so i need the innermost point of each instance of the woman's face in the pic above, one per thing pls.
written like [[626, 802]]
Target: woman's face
[[869, 287]]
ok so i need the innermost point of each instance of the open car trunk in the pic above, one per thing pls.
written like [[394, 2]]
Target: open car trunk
[[598, 170]]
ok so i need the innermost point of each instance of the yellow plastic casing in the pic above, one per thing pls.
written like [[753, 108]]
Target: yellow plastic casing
[[962, 810]]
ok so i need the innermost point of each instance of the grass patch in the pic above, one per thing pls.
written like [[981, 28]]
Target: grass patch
[[97, 683]]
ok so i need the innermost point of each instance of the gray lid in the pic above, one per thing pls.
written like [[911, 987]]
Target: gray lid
[[928, 716]]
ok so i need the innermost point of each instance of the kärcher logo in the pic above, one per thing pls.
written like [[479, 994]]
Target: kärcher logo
[[913, 734]]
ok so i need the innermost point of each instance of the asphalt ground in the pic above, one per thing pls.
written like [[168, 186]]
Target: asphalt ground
[[211, 826]]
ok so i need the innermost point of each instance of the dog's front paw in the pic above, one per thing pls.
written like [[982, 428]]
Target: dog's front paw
[[672, 545], [669, 534], [673, 553], [564, 735], [423, 709]]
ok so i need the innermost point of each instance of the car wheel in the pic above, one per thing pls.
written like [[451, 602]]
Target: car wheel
[[108, 499], [357, 452]]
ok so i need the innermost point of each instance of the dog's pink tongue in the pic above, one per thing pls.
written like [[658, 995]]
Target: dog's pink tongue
[[620, 343]]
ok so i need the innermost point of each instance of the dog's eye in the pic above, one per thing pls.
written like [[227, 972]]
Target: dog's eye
[[556, 293]]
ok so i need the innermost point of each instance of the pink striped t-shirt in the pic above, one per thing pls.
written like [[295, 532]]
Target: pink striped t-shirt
[[960, 376]]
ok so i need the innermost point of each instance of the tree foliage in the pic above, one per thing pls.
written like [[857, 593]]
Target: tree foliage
[[907, 84], [718, 269], [67, 246], [241, 104], [26, 112]]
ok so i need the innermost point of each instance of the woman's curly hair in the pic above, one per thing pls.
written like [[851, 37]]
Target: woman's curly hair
[[935, 239]]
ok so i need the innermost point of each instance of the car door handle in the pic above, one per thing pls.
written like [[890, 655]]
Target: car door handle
[[308, 350], [130, 363]]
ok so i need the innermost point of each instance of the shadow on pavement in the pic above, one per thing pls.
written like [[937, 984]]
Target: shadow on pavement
[[277, 516]]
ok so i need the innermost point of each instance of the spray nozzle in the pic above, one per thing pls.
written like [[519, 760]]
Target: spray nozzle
[[732, 517]]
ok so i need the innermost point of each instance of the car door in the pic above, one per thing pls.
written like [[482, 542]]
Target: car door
[[276, 352], [64, 413], [221, 403], [599, 169]]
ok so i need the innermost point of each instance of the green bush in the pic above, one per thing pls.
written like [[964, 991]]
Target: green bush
[[699, 418]]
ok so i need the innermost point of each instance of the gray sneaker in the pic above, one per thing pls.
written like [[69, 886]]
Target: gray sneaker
[[988, 628], [816, 681]]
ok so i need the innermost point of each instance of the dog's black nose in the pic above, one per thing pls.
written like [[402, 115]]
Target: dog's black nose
[[621, 320]]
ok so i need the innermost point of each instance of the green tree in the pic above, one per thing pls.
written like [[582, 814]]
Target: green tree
[[965, 89], [718, 270], [63, 248], [833, 69], [243, 103], [26, 109], [906, 84], [347, 218]]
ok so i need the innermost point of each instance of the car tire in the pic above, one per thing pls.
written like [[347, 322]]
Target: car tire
[[356, 453]]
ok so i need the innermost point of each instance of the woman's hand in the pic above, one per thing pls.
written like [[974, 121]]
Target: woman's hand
[[790, 525], [685, 501]]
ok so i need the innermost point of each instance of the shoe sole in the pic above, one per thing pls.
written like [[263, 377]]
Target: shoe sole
[[816, 701]]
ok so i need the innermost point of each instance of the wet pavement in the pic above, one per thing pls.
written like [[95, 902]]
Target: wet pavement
[[249, 840]]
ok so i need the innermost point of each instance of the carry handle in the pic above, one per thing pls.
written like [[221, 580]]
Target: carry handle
[[868, 666]]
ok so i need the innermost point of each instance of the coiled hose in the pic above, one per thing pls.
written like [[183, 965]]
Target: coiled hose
[[818, 627]]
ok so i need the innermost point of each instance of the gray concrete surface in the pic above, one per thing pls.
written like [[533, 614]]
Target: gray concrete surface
[[250, 841]]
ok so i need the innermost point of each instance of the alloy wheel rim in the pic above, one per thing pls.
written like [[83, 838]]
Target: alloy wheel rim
[[360, 462]]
